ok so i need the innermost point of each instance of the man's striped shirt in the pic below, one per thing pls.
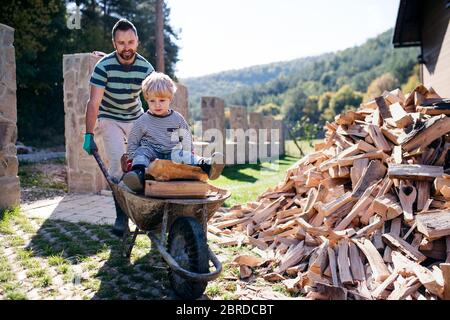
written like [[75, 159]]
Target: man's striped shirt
[[122, 85]]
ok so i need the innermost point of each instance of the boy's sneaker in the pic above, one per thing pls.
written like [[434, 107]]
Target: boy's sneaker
[[134, 180], [213, 166]]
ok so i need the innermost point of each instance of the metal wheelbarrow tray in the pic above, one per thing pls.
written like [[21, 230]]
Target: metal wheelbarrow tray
[[177, 228]]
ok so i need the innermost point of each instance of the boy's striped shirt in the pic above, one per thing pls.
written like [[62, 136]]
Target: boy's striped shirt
[[122, 85]]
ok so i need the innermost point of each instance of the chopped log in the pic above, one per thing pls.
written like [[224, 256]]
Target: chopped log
[[292, 258], [378, 138], [330, 207], [396, 225], [395, 242], [356, 264], [434, 224], [423, 194], [424, 275], [414, 171], [383, 107], [405, 289], [445, 267], [387, 207], [440, 182], [165, 170], [369, 155], [380, 291], [434, 110], [401, 118], [447, 246], [357, 170], [343, 262], [320, 263], [374, 225], [397, 155], [176, 189], [407, 196], [379, 269], [330, 292], [437, 127], [249, 261], [264, 213], [362, 204], [333, 267], [374, 172], [244, 272]]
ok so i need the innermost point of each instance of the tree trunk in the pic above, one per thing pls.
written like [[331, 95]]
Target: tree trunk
[[159, 36]]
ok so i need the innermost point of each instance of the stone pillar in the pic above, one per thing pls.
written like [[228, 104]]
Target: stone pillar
[[267, 125], [213, 117], [83, 173], [181, 102], [9, 165], [278, 124], [238, 137], [257, 140]]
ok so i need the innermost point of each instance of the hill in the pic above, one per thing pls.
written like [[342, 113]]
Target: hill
[[288, 85]]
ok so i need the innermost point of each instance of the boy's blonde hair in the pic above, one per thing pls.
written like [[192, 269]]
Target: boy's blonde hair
[[159, 85]]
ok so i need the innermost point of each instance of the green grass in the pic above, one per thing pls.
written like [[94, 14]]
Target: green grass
[[246, 182], [5, 220], [292, 150]]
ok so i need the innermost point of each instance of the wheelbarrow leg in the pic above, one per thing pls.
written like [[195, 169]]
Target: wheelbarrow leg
[[164, 225], [127, 246], [205, 220]]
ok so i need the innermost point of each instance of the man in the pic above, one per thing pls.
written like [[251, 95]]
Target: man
[[114, 100]]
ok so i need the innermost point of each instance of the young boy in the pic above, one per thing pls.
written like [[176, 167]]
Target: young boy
[[164, 134]]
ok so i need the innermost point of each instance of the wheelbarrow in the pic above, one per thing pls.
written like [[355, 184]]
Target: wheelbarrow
[[178, 230]]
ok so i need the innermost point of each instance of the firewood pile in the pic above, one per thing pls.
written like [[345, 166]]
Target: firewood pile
[[364, 216]]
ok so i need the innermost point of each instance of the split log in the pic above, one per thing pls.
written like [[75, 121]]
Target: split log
[[414, 171], [398, 243], [379, 269], [434, 224]]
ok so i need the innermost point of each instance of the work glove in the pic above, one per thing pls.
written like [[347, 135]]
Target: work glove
[[89, 144]]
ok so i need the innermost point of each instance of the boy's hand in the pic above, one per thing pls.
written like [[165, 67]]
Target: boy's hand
[[89, 144]]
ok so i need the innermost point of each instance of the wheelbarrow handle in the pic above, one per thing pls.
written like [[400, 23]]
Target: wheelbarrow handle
[[183, 272], [111, 180]]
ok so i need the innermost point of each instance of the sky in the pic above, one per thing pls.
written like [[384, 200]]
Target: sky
[[219, 35]]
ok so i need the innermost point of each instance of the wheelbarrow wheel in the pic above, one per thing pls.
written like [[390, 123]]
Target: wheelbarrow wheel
[[187, 245]]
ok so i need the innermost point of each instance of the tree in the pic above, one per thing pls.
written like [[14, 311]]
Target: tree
[[41, 39], [386, 82], [345, 98], [413, 80], [159, 34]]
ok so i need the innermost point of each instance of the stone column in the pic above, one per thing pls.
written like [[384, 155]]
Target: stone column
[[238, 137], [9, 165], [267, 125], [213, 117], [278, 124], [181, 102], [257, 140], [83, 173]]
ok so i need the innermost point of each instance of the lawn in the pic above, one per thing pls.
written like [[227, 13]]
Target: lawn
[[247, 181]]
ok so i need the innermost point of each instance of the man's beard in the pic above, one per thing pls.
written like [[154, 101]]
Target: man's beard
[[127, 55]]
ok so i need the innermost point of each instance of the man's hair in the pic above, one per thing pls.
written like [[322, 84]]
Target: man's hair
[[159, 85], [123, 25]]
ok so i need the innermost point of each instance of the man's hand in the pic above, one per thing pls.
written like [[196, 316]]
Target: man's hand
[[89, 144]]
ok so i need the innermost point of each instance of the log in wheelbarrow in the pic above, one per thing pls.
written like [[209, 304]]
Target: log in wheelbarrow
[[177, 228]]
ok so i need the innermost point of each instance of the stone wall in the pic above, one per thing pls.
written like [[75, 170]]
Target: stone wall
[[238, 144], [9, 165], [83, 173], [278, 124], [180, 101], [213, 117]]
